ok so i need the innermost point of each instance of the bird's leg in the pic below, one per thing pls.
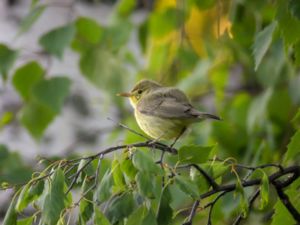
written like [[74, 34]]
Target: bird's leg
[[176, 139], [171, 146]]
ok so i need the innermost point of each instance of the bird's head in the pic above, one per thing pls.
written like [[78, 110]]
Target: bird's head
[[141, 89]]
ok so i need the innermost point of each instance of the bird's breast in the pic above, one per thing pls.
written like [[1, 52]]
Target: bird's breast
[[157, 127]]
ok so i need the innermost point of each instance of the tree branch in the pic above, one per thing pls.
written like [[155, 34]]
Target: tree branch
[[286, 201]]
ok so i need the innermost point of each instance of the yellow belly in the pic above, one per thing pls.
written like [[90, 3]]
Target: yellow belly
[[159, 128]]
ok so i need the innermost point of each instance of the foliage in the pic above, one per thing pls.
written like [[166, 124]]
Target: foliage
[[244, 56]]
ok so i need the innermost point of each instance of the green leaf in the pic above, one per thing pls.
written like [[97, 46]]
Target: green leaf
[[293, 148], [243, 204], [7, 58], [264, 190], [104, 191], [117, 35], [6, 118], [163, 22], [257, 110], [55, 41], [26, 221], [144, 184], [128, 168], [164, 212], [296, 119], [11, 214], [26, 77], [52, 93], [28, 194], [262, 43], [36, 118], [288, 25], [120, 207], [149, 219], [187, 186], [297, 53], [55, 198], [87, 30], [125, 7], [281, 215], [137, 216], [102, 69], [99, 218], [31, 17], [118, 177], [194, 153], [294, 7], [86, 208], [203, 4], [144, 163]]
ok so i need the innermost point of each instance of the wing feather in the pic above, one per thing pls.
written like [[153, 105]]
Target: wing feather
[[167, 103]]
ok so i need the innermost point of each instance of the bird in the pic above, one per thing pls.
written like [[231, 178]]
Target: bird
[[163, 113]]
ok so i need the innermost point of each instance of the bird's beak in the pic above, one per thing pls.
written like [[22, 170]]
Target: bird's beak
[[124, 94]]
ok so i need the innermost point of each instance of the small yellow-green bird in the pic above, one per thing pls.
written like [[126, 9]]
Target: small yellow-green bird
[[161, 112]]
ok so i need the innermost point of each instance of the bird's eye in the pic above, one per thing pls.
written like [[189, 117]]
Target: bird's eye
[[140, 92]]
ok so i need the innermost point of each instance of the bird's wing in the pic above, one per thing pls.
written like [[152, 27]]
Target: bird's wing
[[167, 103]]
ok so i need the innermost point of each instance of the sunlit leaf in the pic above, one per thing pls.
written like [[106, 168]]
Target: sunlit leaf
[[6, 118], [262, 43], [26, 221], [55, 41], [128, 168], [125, 7], [243, 203], [264, 190], [204, 4], [118, 176], [165, 21], [99, 218], [88, 31]]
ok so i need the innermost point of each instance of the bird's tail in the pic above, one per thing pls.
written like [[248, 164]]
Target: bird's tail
[[210, 116]]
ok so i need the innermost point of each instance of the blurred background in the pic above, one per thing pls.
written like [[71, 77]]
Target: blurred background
[[238, 59]]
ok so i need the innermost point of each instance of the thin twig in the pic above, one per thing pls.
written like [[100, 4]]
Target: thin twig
[[129, 129], [192, 213], [76, 175], [212, 206]]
